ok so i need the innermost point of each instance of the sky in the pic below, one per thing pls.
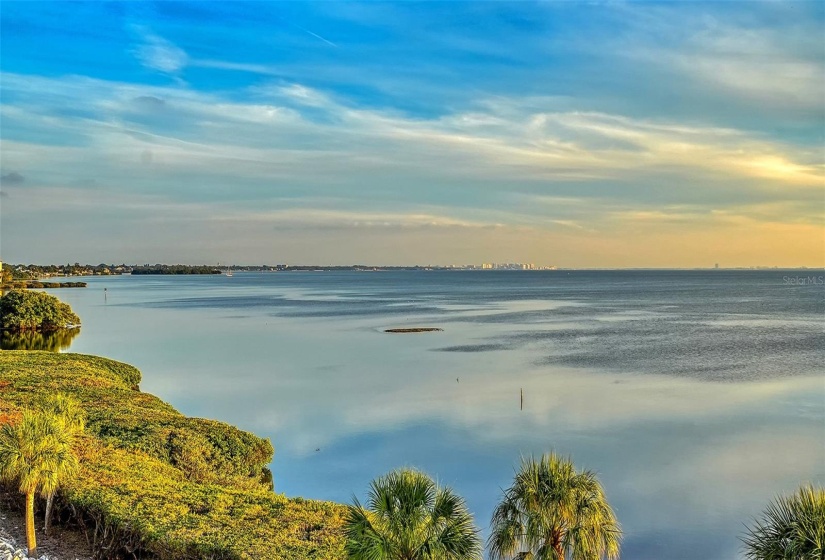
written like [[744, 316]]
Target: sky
[[576, 134]]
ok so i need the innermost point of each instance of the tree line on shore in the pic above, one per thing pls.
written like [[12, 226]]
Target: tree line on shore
[[21, 273]]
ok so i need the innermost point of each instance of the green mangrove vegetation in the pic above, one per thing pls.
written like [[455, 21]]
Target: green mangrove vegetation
[[154, 483], [38, 285], [22, 310], [175, 269]]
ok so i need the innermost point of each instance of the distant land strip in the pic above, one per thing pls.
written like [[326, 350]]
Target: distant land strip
[[15, 273], [413, 330]]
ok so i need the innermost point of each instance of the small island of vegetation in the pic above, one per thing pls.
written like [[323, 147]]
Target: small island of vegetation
[[174, 269], [22, 310], [413, 330]]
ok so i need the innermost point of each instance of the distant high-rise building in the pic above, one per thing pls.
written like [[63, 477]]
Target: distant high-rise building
[[716, 265]]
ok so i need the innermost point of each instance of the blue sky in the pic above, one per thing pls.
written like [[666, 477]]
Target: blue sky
[[576, 134]]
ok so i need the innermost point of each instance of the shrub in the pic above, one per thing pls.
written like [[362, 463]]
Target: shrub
[[162, 485], [23, 310]]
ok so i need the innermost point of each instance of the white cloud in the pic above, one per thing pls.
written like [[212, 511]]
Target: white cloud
[[757, 64], [157, 53], [510, 139], [520, 165], [778, 66]]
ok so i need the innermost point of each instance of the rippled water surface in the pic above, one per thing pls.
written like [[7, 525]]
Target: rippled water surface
[[696, 396]]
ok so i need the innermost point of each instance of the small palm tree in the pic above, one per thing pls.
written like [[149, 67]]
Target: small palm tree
[[37, 455], [73, 419], [791, 527], [552, 511], [408, 517]]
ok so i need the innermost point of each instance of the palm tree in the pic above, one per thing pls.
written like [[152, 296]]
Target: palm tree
[[37, 454], [73, 419], [791, 527], [551, 512], [408, 517]]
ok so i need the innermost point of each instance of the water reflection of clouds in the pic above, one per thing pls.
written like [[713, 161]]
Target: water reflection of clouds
[[487, 403], [714, 452], [365, 379], [685, 460], [711, 481]]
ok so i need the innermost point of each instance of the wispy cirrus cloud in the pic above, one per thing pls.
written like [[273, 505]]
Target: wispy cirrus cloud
[[300, 134], [157, 53], [759, 63]]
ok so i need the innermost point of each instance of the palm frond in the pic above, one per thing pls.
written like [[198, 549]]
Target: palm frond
[[551, 506], [790, 527], [36, 453], [409, 517]]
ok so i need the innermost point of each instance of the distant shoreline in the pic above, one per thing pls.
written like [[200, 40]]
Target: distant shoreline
[[38, 285], [39, 273]]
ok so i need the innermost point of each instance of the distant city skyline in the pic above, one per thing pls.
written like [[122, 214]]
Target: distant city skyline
[[611, 135]]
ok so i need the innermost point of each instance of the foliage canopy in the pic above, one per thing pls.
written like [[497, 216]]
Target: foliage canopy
[[154, 481], [25, 310]]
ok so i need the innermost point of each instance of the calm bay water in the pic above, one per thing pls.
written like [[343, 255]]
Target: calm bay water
[[696, 396]]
